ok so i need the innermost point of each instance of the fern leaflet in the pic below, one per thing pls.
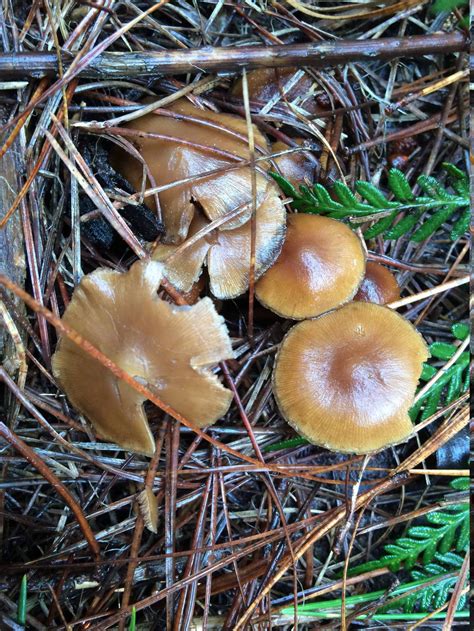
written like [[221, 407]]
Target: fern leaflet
[[454, 381], [447, 529], [372, 204]]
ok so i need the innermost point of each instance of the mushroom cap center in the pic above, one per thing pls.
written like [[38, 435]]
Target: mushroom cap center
[[357, 380]]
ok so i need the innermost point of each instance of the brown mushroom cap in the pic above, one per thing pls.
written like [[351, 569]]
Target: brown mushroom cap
[[170, 348], [265, 83], [347, 379], [184, 262], [321, 266], [379, 285], [296, 167], [227, 252], [171, 161]]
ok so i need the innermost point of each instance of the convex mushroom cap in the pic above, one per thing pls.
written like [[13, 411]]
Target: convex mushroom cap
[[321, 266], [297, 167], [193, 142], [379, 285], [347, 379], [266, 85], [168, 347]]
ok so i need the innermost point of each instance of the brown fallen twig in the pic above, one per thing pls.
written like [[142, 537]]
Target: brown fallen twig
[[213, 59]]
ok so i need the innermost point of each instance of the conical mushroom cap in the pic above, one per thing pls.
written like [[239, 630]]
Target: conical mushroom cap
[[170, 348], [170, 161], [347, 379], [379, 285], [320, 267]]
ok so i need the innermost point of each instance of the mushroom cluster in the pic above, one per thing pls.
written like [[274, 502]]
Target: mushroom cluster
[[201, 161], [344, 377]]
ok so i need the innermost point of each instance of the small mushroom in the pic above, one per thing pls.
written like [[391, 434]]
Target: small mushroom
[[264, 84], [379, 285], [347, 379], [296, 167], [197, 142], [321, 266], [170, 348], [226, 252]]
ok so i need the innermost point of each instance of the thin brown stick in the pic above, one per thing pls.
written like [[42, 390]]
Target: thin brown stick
[[446, 431], [439, 289], [174, 62]]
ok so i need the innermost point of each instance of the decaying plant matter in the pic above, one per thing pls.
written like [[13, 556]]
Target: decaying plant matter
[[362, 118]]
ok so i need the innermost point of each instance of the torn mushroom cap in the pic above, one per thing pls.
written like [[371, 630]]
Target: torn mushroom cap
[[168, 347], [171, 161], [379, 285], [264, 84], [226, 252], [296, 167], [320, 267], [347, 379]]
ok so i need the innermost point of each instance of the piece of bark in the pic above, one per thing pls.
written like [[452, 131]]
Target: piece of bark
[[12, 253]]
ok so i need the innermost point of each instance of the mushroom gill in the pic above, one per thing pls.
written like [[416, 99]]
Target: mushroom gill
[[226, 252], [188, 143], [171, 348]]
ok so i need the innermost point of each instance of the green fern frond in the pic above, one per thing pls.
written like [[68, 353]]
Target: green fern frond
[[434, 595], [372, 204], [435, 550], [453, 383], [440, 6], [446, 530]]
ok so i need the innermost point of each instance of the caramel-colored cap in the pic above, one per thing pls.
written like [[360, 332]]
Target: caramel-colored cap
[[183, 263], [296, 167], [379, 285], [170, 348], [227, 252], [347, 379], [321, 266], [171, 161], [265, 83]]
